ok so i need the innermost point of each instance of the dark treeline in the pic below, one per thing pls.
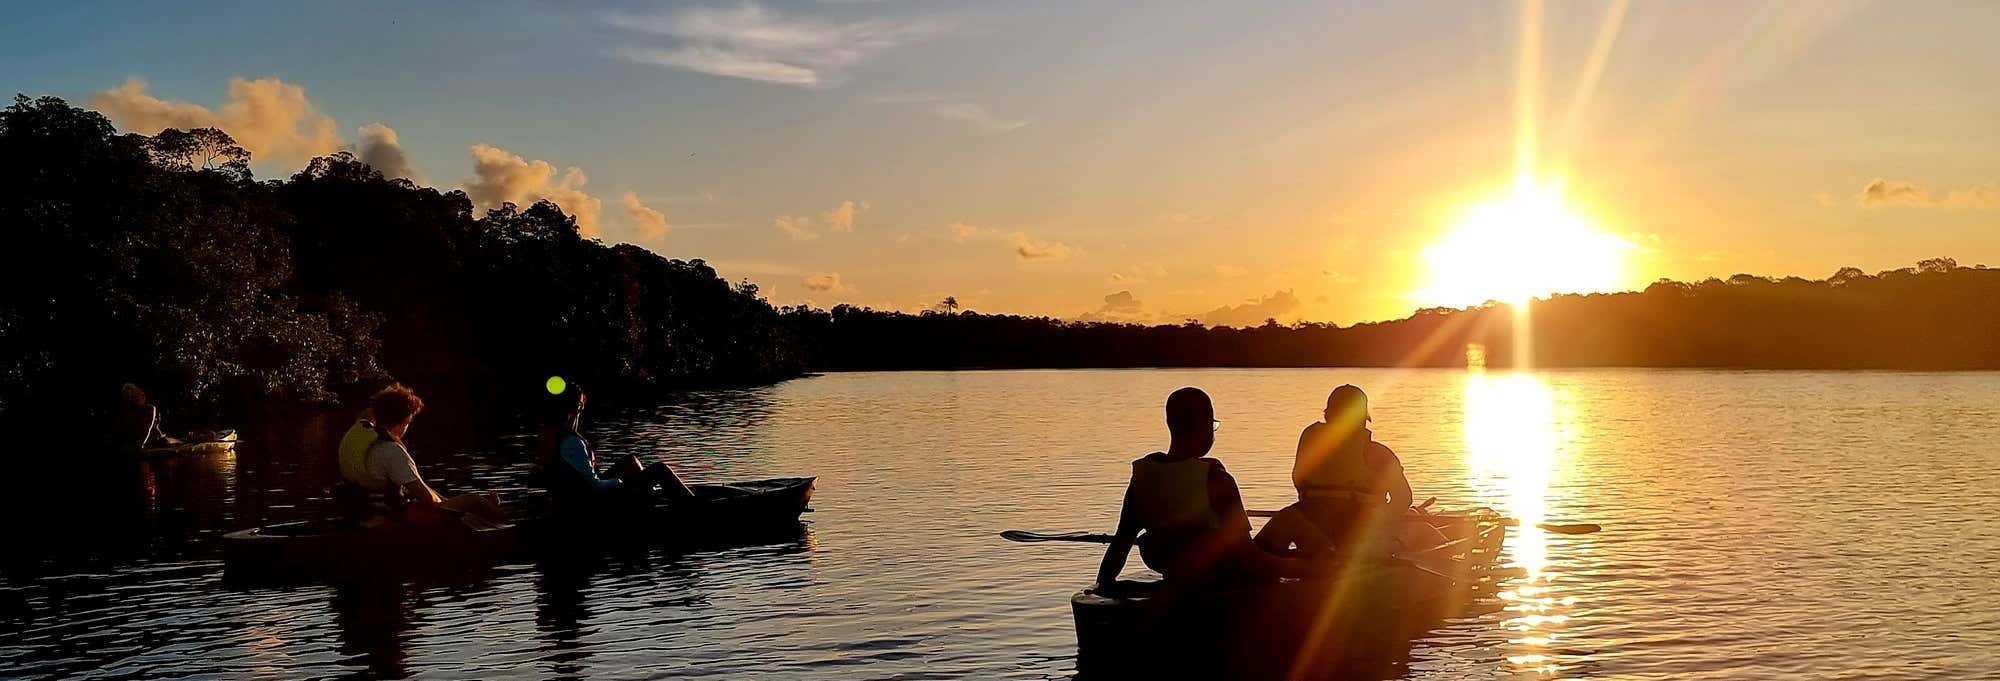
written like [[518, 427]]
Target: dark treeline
[[1937, 315], [160, 261]]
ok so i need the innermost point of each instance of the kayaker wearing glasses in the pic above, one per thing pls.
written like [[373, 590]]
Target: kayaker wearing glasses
[[379, 478], [1351, 488], [569, 465], [1185, 513]]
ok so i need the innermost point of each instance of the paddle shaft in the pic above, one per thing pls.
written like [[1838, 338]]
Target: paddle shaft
[[1553, 528]]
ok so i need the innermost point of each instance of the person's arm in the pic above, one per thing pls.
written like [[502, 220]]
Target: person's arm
[[576, 454], [400, 470], [1400, 495], [1226, 501], [1121, 544]]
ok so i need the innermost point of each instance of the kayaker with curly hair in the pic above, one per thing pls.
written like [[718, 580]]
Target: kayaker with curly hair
[[381, 478], [1184, 512]]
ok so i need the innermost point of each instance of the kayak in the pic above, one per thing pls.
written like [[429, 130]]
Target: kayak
[[726, 511], [1361, 613], [339, 550], [221, 441]]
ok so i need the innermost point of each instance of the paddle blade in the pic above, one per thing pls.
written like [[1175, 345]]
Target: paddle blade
[[1570, 528], [1027, 537]]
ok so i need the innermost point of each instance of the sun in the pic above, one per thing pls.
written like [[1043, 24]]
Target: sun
[[1520, 247]]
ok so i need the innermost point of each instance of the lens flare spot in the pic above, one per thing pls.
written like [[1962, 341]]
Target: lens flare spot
[[556, 385]]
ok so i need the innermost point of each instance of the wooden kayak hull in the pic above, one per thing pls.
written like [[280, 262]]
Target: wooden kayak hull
[[1359, 617]]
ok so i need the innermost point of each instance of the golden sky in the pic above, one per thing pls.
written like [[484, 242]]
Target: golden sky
[[1135, 162]]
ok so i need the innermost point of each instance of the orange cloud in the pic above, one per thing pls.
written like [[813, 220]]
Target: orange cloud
[[500, 176], [1034, 249], [649, 224], [1883, 192], [272, 119]]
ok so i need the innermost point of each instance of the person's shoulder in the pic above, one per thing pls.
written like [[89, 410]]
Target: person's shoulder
[[1215, 465], [1382, 452]]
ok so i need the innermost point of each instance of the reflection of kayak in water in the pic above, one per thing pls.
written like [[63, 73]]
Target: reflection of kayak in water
[[1368, 610], [215, 443], [343, 551], [757, 510], [748, 510]]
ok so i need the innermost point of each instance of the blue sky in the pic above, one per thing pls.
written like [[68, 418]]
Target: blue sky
[[1203, 160]]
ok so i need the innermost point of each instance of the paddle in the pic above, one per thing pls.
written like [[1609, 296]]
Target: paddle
[[1552, 528], [1027, 537]]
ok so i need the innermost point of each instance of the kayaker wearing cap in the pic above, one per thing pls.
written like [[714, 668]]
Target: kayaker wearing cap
[[569, 465], [381, 478], [1348, 483], [1188, 509]]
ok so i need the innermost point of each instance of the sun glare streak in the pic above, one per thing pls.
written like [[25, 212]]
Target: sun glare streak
[[1586, 86], [1527, 94]]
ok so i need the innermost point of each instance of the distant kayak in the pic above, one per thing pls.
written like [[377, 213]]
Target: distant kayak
[[216, 443], [1293, 628]]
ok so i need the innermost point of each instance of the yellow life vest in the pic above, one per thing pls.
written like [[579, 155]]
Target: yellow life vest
[[1172, 494], [354, 451], [1334, 464]]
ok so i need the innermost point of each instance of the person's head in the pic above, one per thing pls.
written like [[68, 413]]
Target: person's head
[[1347, 407], [131, 394], [394, 407], [1191, 419], [564, 411]]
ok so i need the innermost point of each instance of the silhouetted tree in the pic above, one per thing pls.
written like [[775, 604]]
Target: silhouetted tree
[[154, 260], [200, 149]]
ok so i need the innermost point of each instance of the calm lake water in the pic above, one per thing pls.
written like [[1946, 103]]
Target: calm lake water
[[1756, 525]]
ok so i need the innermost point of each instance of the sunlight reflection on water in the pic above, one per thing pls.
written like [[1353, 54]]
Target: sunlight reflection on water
[[1515, 435]]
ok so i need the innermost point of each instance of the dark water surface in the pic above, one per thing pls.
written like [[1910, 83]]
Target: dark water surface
[[1757, 525]]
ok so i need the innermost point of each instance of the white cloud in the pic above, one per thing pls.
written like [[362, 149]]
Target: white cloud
[[1139, 274], [961, 231], [1882, 192], [826, 282], [1253, 312], [382, 150], [1029, 248], [649, 224], [500, 176], [270, 118], [798, 228], [956, 108], [839, 218], [1118, 307], [754, 43]]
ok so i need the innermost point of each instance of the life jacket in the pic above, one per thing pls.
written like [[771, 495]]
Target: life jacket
[[1334, 465], [352, 497], [353, 451], [1172, 495], [549, 459]]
